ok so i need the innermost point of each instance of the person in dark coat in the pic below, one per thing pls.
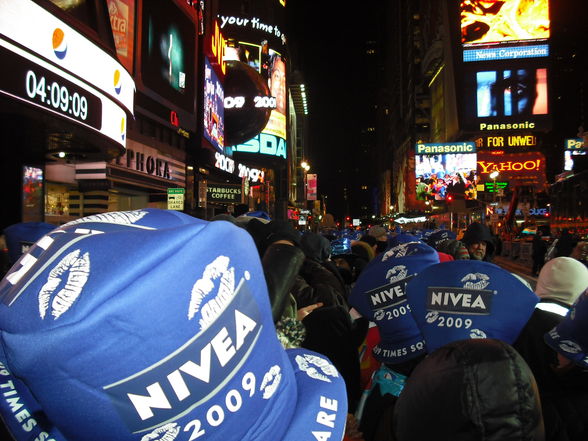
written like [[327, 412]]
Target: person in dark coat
[[330, 329], [538, 253], [565, 243], [474, 390], [563, 388]]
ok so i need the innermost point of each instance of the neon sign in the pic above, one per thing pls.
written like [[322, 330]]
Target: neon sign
[[217, 48], [489, 167], [506, 141], [519, 168]]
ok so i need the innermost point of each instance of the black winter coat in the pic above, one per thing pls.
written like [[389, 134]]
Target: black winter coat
[[564, 396], [470, 390]]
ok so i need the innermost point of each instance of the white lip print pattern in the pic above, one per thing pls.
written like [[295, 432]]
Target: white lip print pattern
[[477, 333], [77, 269], [118, 218], [211, 308], [476, 281], [168, 432], [570, 347], [431, 317], [399, 272], [271, 381], [397, 251], [316, 367]]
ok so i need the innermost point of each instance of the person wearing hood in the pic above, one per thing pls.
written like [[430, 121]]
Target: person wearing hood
[[479, 242], [562, 281], [330, 329], [474, 390]]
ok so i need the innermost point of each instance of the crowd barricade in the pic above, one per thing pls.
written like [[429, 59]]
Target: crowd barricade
[[506, 248], [526, 252]]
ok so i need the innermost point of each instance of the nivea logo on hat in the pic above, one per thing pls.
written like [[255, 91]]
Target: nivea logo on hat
[[472, 299], [379, 294], [162, 391], [468, 299], [570, 336], [391, 294], [144, 338]]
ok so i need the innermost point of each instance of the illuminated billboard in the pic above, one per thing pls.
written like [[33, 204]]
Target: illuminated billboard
[[517, 168], [505, 29], [272, 67], [58, 71], [167, 60], [214, 119], [256, 39], [122, 22], [441, 175], [509, 98]]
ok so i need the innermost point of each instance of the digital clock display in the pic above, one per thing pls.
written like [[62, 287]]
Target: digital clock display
[[37, 85]]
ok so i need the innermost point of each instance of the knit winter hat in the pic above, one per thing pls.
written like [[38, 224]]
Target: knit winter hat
[[154, 325], [562, 279], [378, 232], [469, 299], [379, 294], [570, 337]]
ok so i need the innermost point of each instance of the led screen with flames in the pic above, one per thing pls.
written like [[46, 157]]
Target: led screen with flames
[[504, 29], [484, 22]]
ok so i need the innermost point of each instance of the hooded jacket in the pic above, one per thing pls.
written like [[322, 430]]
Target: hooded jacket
[[470, 390], [477, 232]]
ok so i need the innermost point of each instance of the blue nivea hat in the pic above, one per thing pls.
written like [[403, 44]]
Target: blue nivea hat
[[19, 237], [570, 336], [465, 299], [154, 325], [258, 214], [402, 238], [340, 246], [439, 236], [379, 294]]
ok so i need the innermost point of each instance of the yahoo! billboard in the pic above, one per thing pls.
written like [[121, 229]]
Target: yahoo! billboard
[[516, 168]]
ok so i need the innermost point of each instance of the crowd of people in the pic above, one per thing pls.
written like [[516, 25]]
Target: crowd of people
[[155, 325]]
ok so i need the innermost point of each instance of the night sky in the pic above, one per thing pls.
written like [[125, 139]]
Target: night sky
[[325, 46]]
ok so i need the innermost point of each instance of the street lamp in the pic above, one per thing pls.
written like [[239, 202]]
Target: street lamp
[[493, 176], [305, 168]]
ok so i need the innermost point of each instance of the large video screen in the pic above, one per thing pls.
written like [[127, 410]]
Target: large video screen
[[214, 120], [168, 52], [503, 21], [511, 92], [272, 66], [510, 98], [438, 176]]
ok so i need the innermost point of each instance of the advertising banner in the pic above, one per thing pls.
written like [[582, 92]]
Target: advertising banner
[[515, 168], [311, 187], [504, 30]]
